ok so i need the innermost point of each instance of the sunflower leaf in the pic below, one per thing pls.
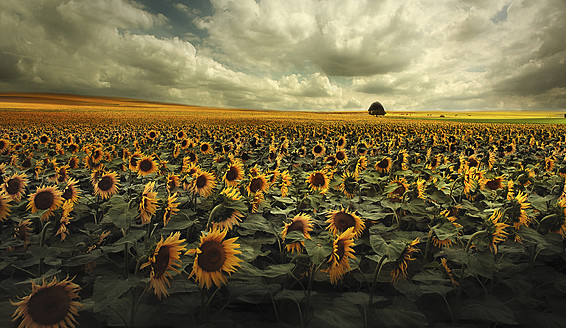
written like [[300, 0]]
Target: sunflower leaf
[[318, 252], [120, 213]]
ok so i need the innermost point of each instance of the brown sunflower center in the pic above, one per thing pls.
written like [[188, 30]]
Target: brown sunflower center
[[212, 256], [13, 186], [68, 193], [105, 183], [184, 143], [152, 135], [134, 160], [298, 225], [44, 200], [341, 142], [341, 249], [472, 162], [493, 184], [146, 165], [49, 306], [317, 149], [318, 179], [26, 163], [343, 221], [400, 190], [161, 261], [256, 184], [204, 148], [201, 181], [384, 163], [2, 144], [232, 173], [43, 139], [192, 157], [340, 156]]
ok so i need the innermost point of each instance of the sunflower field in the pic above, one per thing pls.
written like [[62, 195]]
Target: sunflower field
[[280, 222]]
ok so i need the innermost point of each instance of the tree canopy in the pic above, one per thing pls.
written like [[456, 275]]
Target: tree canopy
[[376, 109]]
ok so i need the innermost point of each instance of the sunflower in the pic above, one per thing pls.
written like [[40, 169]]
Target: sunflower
[[341, 156], [97, 155], [257, 184], [203, 183], [495, 230], [302, 223], [318, 150], [148, 203], [71, 191], [361, 165], [398, 188], [73, 162], [133, 161], [107, 185], [4, 207], [165, 257], [228, 217], [190, 158], [341, 143], [361, 148], [23, 230], [53, 304], [557, 223], [421, 188], [285, 183], [445, 217], [152, 134], [444, 263], [516, 213], [146, 165], [318, 181], [171, 209], [234, 173], [349, 184], [340, 220], [384, 165], [181, 135], [15, 185], [214, 257], [44, 139], [205, 148], [173, 182], [46, 199], [341, 253], [4, 145], [493, 184], [549, 164], [399, 271]]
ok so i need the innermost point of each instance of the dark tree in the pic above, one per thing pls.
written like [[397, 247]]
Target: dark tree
[[376, 109]]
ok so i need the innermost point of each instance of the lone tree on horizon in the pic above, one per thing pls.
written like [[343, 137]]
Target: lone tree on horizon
[[376, 109]]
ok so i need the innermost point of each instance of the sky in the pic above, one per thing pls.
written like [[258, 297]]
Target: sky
[[294, 54]]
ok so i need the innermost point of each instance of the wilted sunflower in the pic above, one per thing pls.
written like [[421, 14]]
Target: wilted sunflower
[[4, 207], [15, 185], [146, 165], [234, 173], [45, 199], [549, 164], [165, 257], [203, 183], [53, 304], [341, 254], [258, 184], [495, 230], [340, 221], [171, 209], [71, 191], [445, 217], [73, 162], [384, 165], [516, 213], [318, 181], [302, 223], [148, 203], [399, 271], [214, 257], [107, 185], [349, 185]]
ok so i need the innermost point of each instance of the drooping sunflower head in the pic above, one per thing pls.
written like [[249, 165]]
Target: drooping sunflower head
[[173, 182], [318, 181], [50, 304], [4, 145], [399, 271], [494, 183], [340, 220], [517, 211], [398, 187], [165, 258], [46, 199], [349, 185], [171, 209], [15, 185], [301, 223], [341, 254], [4, 206], [71, 191], [106, 185], [146, 165], [133, 161], [495, 230], [148, 203], [214, 257]]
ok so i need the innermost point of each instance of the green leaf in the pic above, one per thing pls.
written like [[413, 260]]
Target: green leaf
[[131, 237], [277, 270], [83, 258], [277, 210], [256, 222], [490, 309], [481, 263], [318, 252], [402, 313], [108, 290], [294, 236], [120, 213], [291, 294]]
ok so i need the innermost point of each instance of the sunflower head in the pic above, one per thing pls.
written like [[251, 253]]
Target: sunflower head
[[341, 254], [203, 183], [516, 212], [50, 304], [494, 230], [384, 165], [4, 206], [301, 223], [146, 165], [14, 186], [399, 271], [258, 184], [234, 174], [46, 199], [340, 220], [349, 185], [106, 185], [214, 257], [318, 181]]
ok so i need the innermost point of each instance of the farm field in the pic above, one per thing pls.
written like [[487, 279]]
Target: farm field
[[117, 212]]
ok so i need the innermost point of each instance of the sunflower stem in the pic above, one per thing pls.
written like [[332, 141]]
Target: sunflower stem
[[217, 209], [126, 260], [41, 244], [97, 209], [374, 281], [427, 247], [463, 269], [309, 287]]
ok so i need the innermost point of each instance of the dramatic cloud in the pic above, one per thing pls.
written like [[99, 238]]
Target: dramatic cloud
[[296, 54]]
